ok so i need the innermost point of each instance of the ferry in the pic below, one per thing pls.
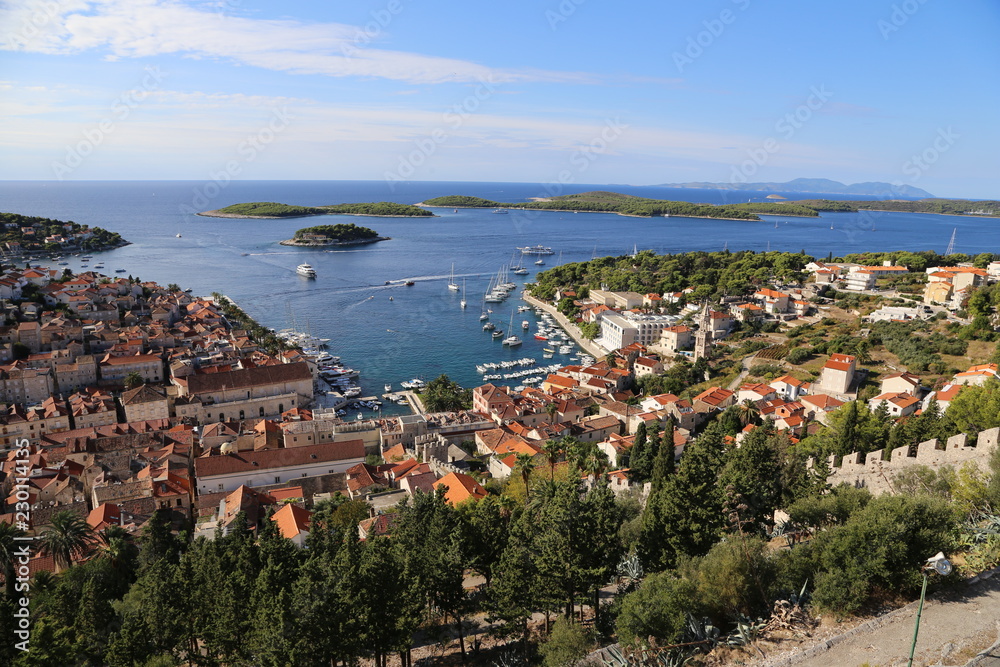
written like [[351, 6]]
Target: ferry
[[536, 250], [305, 271], [500, 211]]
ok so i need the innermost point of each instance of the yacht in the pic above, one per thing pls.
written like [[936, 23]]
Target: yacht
[[305, 270], [512, 341], [452, 285], [500, 211], [536, 250], [388, 388], [484, 317], [498, 333], [525, 325], [489, 326], [540, 262], [463, 302]]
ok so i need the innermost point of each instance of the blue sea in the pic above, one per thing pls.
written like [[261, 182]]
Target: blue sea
[[422, 331]]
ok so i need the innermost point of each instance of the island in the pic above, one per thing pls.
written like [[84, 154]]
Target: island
[[272, 210], [33, 235], [600, 201], [324, 236], [982, 208]]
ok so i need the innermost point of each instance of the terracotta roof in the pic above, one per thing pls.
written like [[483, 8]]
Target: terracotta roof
[[460, 487], [278, 458], [248, 377], [292, 520], [142, 394]]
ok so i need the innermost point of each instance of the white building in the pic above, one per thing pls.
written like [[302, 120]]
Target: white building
[[617, 331], [226, 472]]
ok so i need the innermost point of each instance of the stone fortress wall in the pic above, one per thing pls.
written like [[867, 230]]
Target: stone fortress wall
[[872, 472]]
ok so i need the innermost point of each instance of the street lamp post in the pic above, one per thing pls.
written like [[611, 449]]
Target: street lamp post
[[942, 566]]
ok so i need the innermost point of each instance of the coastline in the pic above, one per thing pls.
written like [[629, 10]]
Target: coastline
[[312, 244], [954, 215], [237, 216]]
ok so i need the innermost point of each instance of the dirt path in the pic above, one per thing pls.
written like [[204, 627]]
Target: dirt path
[[955, 627]]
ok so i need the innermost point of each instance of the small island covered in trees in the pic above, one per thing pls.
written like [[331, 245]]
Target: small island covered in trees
[[332, 235], [32, 234], [985, 208], [614, 202], [270, 210]]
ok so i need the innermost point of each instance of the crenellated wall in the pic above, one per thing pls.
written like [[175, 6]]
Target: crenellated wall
[[870, 471]]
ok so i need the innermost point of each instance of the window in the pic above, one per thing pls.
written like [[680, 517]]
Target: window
[[221, 487], [281, 407], [178, 502], [262, 412], [277, 480], [242, 416], [222, 417]]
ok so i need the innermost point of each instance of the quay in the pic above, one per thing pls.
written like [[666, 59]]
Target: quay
[[416, 405], [592, 348]]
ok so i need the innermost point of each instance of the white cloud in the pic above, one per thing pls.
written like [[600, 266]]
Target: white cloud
[[146, 28]]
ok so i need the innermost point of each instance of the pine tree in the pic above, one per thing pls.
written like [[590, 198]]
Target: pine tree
[[753, 472]]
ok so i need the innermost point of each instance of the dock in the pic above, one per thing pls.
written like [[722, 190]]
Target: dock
[[416, 405]]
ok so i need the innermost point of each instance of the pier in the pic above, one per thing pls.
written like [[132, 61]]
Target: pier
[[416, 405]]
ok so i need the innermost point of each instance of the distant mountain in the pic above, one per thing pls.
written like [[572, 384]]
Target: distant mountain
[[817, 186]]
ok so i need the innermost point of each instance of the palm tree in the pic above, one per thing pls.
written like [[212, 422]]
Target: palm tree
[[8, 545], [552, 449], [749, 412], [69, 536], [525, 463], [133, 380], [551, 409]]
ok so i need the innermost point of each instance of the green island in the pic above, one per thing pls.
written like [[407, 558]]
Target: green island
[[622, 204], [332, 235], [269, 210], [983, 208], [33, 234]]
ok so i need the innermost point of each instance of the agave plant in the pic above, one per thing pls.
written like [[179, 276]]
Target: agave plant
[[613, 656], [747, 630]]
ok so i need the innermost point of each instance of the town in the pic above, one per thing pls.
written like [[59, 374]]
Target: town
[[150, 416]]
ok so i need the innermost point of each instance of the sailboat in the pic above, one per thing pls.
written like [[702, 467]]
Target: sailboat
[[463, 302], [452, 285], [512, 340]]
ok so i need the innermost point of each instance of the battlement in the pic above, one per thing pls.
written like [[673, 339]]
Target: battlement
[[873, 472]]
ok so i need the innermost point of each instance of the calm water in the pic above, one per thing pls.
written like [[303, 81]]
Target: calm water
[[422, 331]]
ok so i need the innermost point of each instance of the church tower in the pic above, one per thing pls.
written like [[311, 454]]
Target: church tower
[[703, 337]]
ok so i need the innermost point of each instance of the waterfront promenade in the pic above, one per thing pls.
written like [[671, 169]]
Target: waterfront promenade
[[592, 348]]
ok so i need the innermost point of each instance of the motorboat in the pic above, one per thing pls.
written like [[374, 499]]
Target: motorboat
[[305, 270]]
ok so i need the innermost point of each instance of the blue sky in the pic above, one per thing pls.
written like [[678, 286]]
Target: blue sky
[[583, 91]]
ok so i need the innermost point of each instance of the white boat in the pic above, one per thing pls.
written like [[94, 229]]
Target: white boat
[[463, 302], [501, 211], [415, 383], [512, 340], [388, 387], [484, 317], [536, 250], [451, 283], [178, 236], [525, 325], [305, 270], [540, 262], [565, 349]]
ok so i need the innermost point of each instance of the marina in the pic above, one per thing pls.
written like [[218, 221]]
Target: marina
[[423, 331]]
